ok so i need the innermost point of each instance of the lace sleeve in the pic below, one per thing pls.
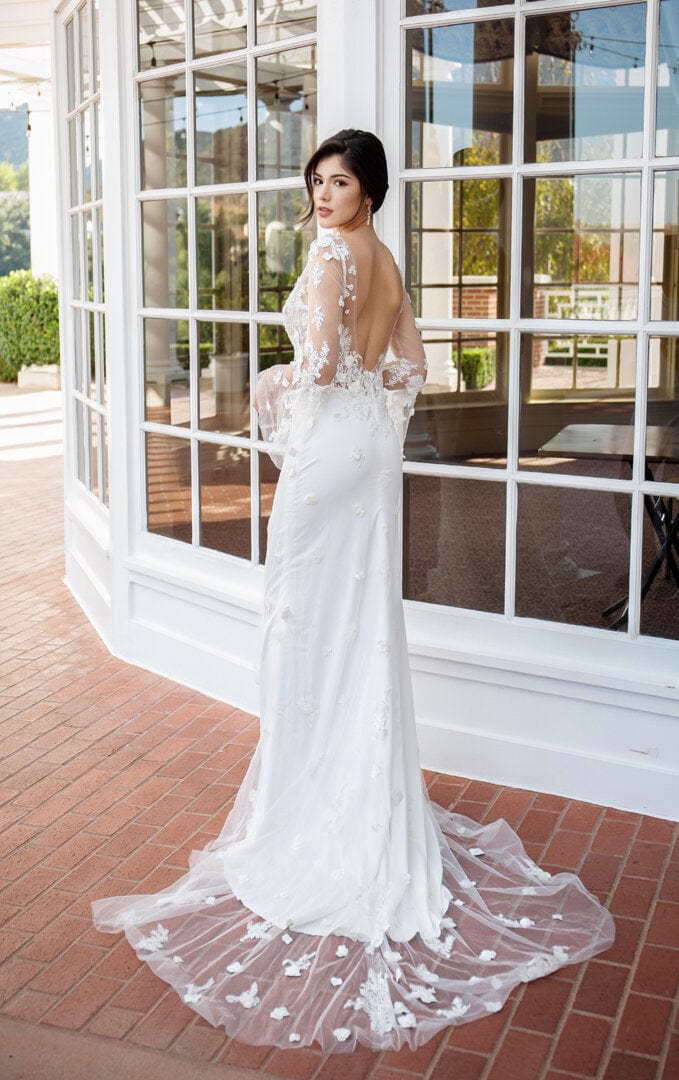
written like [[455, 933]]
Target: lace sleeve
[[405, 371], [271, 400], [328, 295]]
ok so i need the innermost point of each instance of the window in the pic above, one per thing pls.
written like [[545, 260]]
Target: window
[[87, 377], [227, 117], [542, 472]]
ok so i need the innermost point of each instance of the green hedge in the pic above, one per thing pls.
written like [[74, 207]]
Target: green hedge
[[29, 322], [477, 367]]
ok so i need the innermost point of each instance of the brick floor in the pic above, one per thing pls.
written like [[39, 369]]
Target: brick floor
[[109, 775]]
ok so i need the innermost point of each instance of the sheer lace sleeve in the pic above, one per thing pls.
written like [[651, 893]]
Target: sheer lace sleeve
[[328, 297], [272, 408], [405, 370]]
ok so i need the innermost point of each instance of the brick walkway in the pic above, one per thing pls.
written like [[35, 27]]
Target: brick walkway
[[109, 776]]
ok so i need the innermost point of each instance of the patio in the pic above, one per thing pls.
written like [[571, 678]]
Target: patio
[[111, 775]]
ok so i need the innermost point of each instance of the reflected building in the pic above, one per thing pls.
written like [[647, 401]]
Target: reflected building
[[534, 210]]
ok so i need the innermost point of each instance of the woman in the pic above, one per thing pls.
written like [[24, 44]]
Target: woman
[[339, 905]]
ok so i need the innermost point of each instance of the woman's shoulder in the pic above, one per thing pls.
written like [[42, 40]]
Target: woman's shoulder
[[329, 246]]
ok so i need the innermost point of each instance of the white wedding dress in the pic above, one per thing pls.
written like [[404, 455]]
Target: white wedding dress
[[339, 905]]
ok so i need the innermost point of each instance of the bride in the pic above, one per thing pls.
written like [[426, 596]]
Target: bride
[[339, 905]]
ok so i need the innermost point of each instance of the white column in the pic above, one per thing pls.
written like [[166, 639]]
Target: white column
[[42, 191]]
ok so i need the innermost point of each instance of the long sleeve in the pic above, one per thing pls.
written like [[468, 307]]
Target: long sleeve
[[271, 399], [405, 371], [329, 303]]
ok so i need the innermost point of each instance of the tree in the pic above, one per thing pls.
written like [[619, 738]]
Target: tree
[[15, 249], [8, 177]]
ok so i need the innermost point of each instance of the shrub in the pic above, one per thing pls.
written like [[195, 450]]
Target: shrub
[[29, 322], [477, 367]]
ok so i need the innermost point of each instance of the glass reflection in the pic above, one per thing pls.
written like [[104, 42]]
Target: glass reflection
[[585, 84], [660, 569], [454, 542], [92, 352], [87, 157], [96, 52], [221, 125], [220, 26], [459, 248], [224, 394], [283, 249], [665, 257], [268, 478], [89, 280], [459, 104], [99, 365], [279, 19], [461, 415], [168, 486], [161, 32], [94, 443], [564, 572], [84, 29], [436, 7], [662, 414], [274, 347], [163, 132], [222, 241], [99, 157], [166, 372], [80, 436], [286, 112], [585, 251], [75, 169], [165, 247], [225, 499], [577, 404], [71, 64], [667, 128], [76, 257]]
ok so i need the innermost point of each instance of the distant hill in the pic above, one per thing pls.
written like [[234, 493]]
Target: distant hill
[[13, 135]]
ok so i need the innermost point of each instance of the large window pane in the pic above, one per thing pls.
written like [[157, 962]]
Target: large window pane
[[585, 84], [166, 371], [168, 486], [165, 244], [459, 103], [454, 542], [85, 52], [282, 248], [220, 26], [665, 265], [279, 19], [222, 239], [225, 499], [573, 554], [286, 112], [583, 262], [662, 419], [459, 248], [435, 7], [667, 127], [221, 124], [577, 404], [660, 568], [163, 132], [224, 397], [161, 32], [461, 416]]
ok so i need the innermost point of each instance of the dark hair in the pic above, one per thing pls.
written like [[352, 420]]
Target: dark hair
[[363, 154]]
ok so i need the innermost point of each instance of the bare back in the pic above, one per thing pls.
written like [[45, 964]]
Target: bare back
[[379, 291]]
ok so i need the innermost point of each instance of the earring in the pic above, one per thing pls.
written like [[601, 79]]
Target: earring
[[370, 214]]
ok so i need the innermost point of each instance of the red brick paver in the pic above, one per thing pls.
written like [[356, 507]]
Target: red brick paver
[[110, 775]]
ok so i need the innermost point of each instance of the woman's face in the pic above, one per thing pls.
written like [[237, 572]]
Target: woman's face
[[337, 193]]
